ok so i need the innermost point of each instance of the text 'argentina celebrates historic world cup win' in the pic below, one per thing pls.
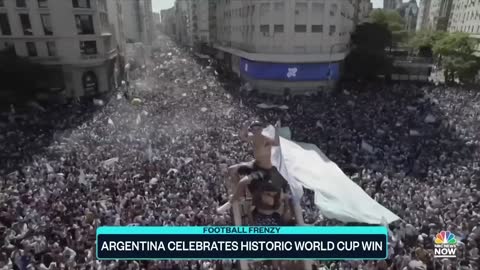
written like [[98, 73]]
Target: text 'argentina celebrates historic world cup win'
[[242, 243]]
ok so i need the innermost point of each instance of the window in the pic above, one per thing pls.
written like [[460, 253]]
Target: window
[[26, 25], [51, 48], [332, 29], [278, 28], [31, 49], [333, 9], [84, 24], [265, 28], [5, 25], [300, 28], [47, 24], [318, 7], [104, 20], [264, 9], [278, 7], [102, 4], [8, 45], [301, 9], [88, 47], [42, 3], [21, 3], [107, 43], [81, 3], [317, 28]]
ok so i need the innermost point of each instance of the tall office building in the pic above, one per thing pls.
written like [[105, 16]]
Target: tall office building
[[75, 39], [439, 15], [434, 15], [409, 12], [168, 21], [138, 21], [202, 15], [391, 4], [115, 15], [423, 12], [184, 27], [363, 8], [465, 17], [156, 18]]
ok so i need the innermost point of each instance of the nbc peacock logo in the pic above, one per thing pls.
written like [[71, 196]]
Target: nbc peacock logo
[[445, 245]]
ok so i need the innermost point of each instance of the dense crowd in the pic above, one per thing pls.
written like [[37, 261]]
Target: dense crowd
[[157, 155]]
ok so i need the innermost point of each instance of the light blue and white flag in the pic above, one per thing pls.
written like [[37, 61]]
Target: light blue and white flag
[[336, 195]]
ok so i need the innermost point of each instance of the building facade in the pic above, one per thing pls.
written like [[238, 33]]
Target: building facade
[[138, 21], [439, 15], [363, 8], [75, 39], [184, 22], [409, 12], [201, 21], [465, 17], [284, 44], [392, 4], [434, 15], [115, 15], [156, 18], [168, 22], [423, 11]]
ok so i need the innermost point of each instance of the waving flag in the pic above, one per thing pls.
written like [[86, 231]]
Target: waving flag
[[336, 195]]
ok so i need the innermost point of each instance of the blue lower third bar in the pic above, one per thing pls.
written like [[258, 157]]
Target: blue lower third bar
[[260, 246]]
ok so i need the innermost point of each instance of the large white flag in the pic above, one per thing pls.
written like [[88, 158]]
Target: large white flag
[[337, 196]]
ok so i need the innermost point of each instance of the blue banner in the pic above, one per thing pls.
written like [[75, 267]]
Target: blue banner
[[290, 72]]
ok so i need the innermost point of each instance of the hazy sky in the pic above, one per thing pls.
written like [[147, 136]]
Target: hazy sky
[[376, 3], [158, 5], [164, 4]]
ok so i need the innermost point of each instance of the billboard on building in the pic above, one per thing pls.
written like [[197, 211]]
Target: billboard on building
[[290, 72]]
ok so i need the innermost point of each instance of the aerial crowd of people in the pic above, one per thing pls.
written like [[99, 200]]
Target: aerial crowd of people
[[158, 154]]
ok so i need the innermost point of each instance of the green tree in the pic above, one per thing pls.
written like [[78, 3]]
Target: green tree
[[394, 22], [367, 58], [371, 36], [456, 51], [423, 42]]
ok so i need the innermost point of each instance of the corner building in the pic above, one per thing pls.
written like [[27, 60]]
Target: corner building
[[73, 38], [276, 45]]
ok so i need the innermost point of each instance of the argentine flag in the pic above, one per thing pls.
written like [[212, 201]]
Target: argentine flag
[[337, 196]]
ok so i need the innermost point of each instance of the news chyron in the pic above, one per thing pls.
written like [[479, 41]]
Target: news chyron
[[242, 243]]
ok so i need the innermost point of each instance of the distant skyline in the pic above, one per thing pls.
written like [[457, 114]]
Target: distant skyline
[[158, 5]]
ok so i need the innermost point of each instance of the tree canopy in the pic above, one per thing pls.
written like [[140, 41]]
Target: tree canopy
[[423, 41], [458, 59], [394, 22], [372, 36], [455, 44], [368, 59]]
